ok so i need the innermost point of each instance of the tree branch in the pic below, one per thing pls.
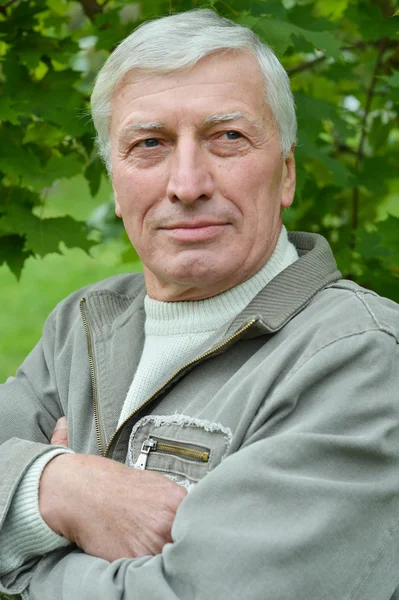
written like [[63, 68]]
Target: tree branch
[[310, 63], [369, 98], [306, 65], [363, 132]]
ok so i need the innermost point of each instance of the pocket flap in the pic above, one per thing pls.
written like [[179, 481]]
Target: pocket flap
[[182, 447]]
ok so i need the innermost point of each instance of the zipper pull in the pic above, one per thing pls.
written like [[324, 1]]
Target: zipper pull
[[146, 448]]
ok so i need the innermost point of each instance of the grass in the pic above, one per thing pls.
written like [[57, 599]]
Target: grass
[[43, 284]]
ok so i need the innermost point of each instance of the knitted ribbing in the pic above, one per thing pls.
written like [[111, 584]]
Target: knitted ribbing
[[175, 329], [24, 534]]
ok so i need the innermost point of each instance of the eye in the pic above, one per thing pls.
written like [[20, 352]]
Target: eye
[[232, 135], [149, 143]]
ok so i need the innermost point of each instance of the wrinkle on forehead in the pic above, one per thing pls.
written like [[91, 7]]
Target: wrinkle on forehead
[[230, 83], [222, 62]]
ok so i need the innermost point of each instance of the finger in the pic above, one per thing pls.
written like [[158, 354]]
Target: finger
[[60, 433]]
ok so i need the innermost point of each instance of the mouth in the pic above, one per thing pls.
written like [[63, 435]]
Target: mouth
[[192, 224], [194, 231]]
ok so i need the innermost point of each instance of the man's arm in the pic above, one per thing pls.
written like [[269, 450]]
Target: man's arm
[[29, 408], [24, 534], [108, 509], [307, 509]]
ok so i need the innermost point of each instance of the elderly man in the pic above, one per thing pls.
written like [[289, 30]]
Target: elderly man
[[233, 418]]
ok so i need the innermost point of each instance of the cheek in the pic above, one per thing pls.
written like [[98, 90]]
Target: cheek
[[265, 183], [136, 193], [250, 185]]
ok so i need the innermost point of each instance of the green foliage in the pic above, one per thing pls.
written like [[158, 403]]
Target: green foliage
[[343, 58]]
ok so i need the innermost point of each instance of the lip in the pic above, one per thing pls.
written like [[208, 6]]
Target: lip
[[198, 231], [192, 224]]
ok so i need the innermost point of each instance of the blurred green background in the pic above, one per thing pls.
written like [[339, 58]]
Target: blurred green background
[[58, 231], [45, 281]]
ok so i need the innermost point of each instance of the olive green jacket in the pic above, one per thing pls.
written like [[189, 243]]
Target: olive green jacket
[[286, 425]]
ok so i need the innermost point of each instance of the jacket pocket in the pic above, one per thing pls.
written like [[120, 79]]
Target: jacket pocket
[[183, 448]]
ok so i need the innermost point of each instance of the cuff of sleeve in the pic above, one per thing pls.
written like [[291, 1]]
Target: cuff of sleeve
[[25, 534]]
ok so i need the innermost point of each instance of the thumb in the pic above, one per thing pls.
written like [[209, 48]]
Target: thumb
[[60, 433]]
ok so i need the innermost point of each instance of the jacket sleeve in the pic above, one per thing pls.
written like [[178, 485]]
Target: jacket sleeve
[[29, 409], [307, 509], [24, 534]]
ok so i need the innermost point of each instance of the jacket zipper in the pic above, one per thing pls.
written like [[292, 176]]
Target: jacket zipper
[[101, 444], [197, 453], [189, 364], [105, 449]]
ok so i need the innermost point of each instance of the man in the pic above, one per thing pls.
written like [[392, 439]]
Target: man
[[261, 385]]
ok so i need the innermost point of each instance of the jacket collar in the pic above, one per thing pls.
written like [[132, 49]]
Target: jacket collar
[[292, 289], [278, 302]]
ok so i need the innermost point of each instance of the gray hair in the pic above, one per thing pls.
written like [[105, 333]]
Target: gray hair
[[178, 42]]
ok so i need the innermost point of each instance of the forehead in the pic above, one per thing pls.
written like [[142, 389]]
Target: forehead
[[228, 82]]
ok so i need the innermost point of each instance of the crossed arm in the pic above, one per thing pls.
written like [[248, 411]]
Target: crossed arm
[[132, 516], [307, 508], [303, 511]]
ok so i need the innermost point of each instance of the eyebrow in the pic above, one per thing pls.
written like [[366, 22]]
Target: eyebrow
[[145, 126], [137, 127], [221, 118], [158, 125]]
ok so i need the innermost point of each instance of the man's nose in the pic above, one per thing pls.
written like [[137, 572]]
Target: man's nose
[[190, 177]]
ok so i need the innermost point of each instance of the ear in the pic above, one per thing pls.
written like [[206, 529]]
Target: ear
[[118, 211], [288, 180]]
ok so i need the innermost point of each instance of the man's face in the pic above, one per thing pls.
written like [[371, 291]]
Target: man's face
[[198, 175]]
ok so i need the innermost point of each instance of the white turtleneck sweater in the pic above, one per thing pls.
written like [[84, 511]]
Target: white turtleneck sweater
[[172, 331], [175, 329]]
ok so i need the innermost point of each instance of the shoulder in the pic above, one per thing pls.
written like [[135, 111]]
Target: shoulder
[[352, 309], [126, 285], [345, 330], [344, 319], [112, 295]]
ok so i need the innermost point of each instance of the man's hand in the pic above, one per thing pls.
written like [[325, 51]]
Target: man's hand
[[60, 433], [108, 509]]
